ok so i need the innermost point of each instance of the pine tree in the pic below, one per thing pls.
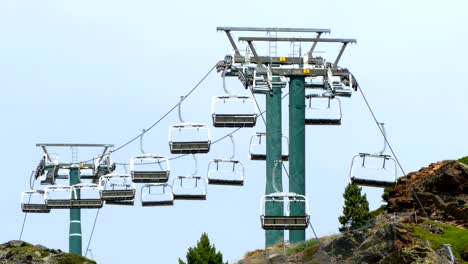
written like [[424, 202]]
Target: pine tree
[[203, 253], [355, 209]]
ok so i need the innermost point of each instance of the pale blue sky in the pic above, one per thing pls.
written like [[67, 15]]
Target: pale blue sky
[[100, 71]]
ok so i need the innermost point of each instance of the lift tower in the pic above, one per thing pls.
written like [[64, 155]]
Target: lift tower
[[265, 74], [74, 201]]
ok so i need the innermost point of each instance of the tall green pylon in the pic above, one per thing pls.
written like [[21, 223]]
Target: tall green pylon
[[297, 150], [273, 153], [74, 240]]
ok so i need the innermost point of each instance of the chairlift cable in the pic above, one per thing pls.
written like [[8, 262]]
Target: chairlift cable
[[389, 146], [313, 231], [264, 121], [92, 231], [31, 185], [160, 119]]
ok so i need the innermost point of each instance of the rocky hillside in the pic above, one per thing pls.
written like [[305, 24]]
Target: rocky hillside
[[425, 221], [16, 251]]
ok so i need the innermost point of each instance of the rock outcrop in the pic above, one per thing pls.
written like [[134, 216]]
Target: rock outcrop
[[442, 190], [17, 251], [425, 221]]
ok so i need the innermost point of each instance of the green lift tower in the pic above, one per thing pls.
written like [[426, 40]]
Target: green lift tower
[[265, 74]]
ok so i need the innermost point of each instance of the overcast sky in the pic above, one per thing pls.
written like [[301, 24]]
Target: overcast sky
[[100, 71]]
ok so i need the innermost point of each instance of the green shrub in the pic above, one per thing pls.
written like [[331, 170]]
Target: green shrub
[[464, 160]]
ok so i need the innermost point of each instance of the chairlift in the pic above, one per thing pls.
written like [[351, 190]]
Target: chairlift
[[261, 82], [337, 86], [117, 187], [257, 149], [226, 171], [373, 170], [102, 166], [47, 170], [32, 201], [284, 221], [86, 195], [58, 196], [190, 187], [188, 138], [222, 105], [325, 111], [149, 168], [157, 194]]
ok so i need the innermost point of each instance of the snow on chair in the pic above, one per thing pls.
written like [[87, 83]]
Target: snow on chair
[[323, 109], [188, 138], [226, 171], [32, 201], [157, 194], [190, 187], [257, 148], [372, 169]]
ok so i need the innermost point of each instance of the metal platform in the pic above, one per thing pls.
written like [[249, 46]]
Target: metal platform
[[371, 183], [110, 195], [190, 147], [34, 208], [234, 120], [59, 203], [87, 203], [157, 203], [284, 222], [150, 176], [189, 197], [254, 156], [121, 202], [323, 121], [226, 182]]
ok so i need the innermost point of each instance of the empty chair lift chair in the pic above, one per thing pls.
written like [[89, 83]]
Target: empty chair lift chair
[[117, 189], [194, 190], [223, 104], [157, 194], [188, 138], [149, 168], [225, 172], [33, 202], [379, 177], [58, 197], [285, 221], [86, 195], [325, 110], [198, 142], [257, 149]]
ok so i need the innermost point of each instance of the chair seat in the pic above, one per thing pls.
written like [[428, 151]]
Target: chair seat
[[157, 203], [35, 208], [86, 203], [371, 183], [236, 182], [190, 147], [284, 222], [189, 196], [232, 120], [322, 121], [108, 195], [150, 176]]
